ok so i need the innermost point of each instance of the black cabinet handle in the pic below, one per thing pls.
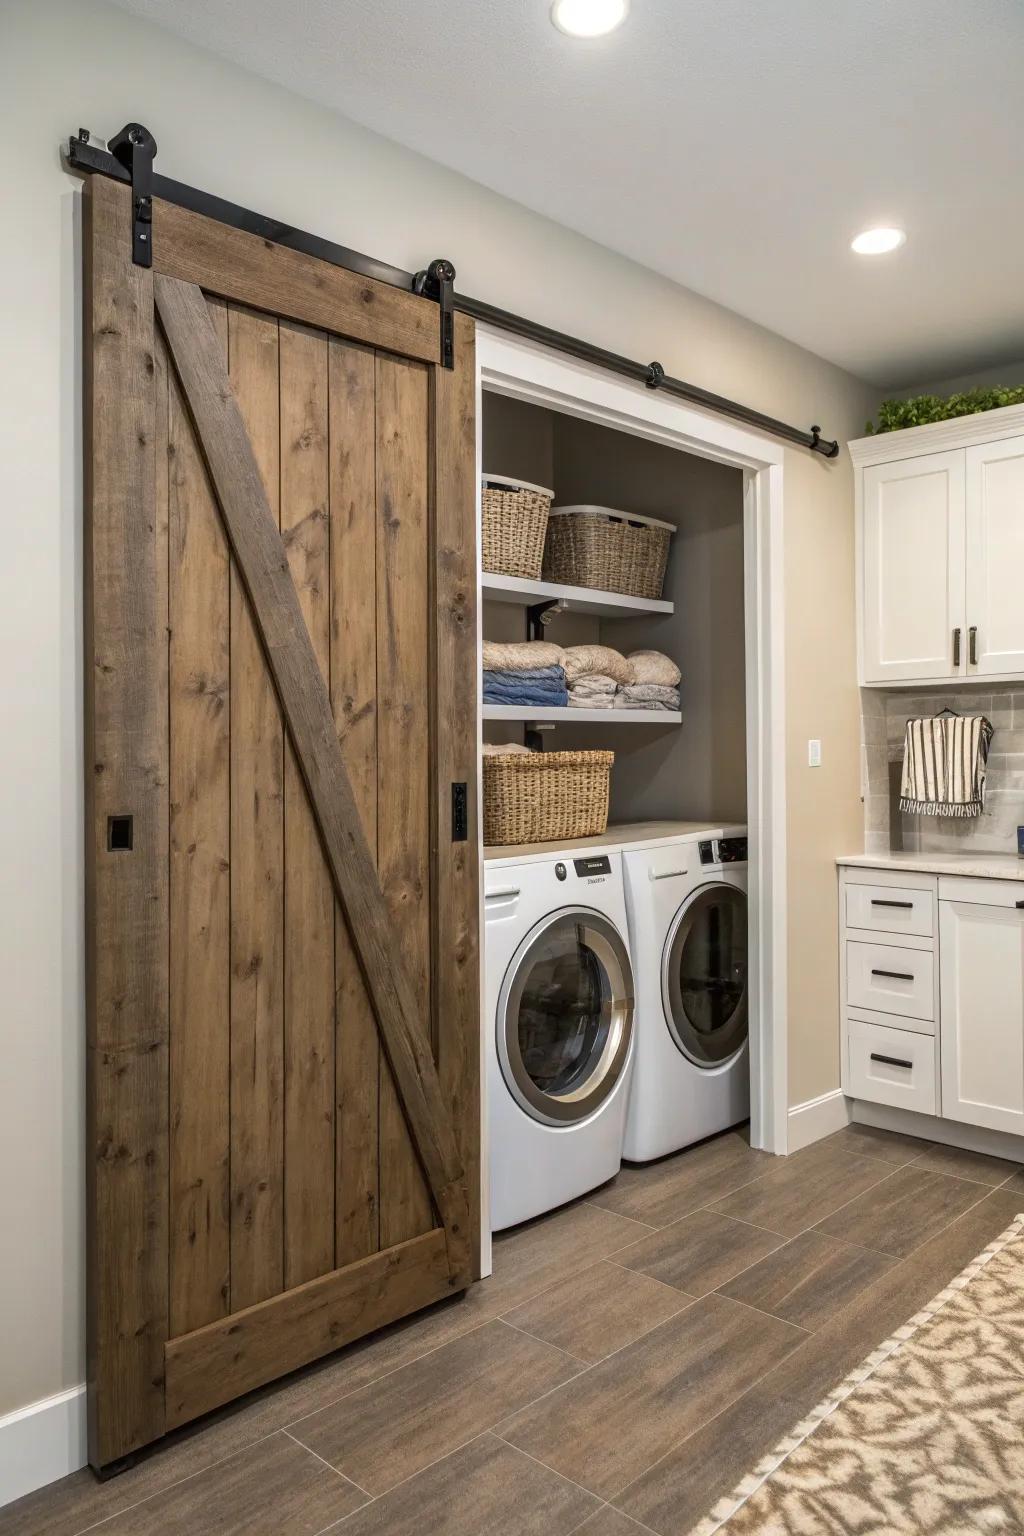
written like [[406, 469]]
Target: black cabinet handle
[[891, 1061], [956, 646], [895, 975], [973, 645], [876, 901]]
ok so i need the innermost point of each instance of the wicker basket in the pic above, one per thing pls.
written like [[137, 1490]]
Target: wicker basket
[[596, 547], [539, 797], [514, 522]]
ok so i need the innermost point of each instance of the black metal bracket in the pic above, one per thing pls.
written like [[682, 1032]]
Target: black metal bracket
[[438, 282], [135, 148], [818, 445], [538, 616], [655, 376]]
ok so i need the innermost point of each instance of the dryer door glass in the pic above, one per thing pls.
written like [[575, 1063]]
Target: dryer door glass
[[565, 1025], [705, 975]]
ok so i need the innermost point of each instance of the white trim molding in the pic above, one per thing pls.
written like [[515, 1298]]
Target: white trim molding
[[938, 436], [41, 1443], [526, 371], [817, 1118]]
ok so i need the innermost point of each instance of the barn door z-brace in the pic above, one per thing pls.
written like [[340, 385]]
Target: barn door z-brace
[[129, 158]]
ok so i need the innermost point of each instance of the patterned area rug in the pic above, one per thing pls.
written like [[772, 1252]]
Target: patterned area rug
[[925, 1438]]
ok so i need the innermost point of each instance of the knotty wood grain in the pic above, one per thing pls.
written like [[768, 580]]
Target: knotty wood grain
[[271, 277], [403, 749], [220, 1362], [307, 710], [308, 892], [200, 853], [353, 554], [257, 862], [456, 907], [126, 893]]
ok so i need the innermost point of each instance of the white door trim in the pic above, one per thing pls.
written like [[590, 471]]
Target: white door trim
[[522, 369]]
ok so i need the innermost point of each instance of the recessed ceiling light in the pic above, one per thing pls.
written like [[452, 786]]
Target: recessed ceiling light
[[589, 18], [877, 242]]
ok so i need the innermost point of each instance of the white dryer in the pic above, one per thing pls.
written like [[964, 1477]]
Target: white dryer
[[687, 905], [559, 1022]]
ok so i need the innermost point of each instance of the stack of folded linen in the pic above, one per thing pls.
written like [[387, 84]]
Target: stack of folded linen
[[527, 674], [653, 683], [594, 673]]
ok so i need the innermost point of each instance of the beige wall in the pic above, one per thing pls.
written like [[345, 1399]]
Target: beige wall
[[70, 62]]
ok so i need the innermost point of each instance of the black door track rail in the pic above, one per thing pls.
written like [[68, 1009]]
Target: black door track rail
[[129, 159]]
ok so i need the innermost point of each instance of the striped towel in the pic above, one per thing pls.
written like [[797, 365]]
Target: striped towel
[[944, 763]]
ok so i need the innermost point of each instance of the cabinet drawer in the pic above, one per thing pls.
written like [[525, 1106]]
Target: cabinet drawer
[[891, 1066], [891, 909], [982, 893], [890, 980]]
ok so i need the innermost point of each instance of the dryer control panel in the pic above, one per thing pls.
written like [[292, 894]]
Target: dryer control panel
[[724, 850]]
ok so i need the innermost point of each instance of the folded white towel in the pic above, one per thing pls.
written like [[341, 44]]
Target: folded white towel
[[653, 667], [520, 655]]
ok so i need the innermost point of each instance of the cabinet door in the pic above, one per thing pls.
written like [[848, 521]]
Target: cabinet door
[[913, 569], [995, 558], [982, 1009]]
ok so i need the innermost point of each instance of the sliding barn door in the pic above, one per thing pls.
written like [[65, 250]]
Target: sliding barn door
[[282, 933]]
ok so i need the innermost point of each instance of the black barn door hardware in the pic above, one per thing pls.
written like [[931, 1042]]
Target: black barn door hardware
[[135, 148], [81, 155]]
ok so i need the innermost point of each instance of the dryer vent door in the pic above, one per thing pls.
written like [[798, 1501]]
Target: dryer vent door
[[565, 1018], [705, 976]]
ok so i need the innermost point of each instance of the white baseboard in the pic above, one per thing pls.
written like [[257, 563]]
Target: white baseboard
[[951, 1133], [42, 1442], [817, 1118]]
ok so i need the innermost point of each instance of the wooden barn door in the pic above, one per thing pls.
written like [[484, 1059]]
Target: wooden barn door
[[282, 933]]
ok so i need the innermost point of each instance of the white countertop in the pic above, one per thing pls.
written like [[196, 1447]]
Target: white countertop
[[635, 834], [977, 866]]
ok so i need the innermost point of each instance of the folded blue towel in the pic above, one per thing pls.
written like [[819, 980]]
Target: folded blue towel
[[541, 687]]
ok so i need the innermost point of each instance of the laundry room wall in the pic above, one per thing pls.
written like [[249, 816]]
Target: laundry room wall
[[71, 62]]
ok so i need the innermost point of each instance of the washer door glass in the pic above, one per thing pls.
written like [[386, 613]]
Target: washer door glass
[[566, 1016], [705, 975]]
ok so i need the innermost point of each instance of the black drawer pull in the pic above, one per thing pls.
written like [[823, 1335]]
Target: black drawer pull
[[895, 975], [876, 901], [1020, 906], [892, 1061]]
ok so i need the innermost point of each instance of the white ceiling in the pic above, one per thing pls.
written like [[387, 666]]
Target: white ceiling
[[735, 145]]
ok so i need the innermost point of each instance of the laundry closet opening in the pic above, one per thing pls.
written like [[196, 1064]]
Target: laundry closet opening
[[618, 966]]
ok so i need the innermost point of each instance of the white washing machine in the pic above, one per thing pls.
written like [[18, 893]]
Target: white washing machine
[[559, 1022], [687, 905]]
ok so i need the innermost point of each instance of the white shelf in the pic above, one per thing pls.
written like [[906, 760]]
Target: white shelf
[[580, 716], [607, 605]]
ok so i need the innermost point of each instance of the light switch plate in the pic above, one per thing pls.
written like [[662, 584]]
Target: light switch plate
[[814, 754]]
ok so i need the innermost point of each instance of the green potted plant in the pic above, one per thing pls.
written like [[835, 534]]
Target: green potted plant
[[893, 415]]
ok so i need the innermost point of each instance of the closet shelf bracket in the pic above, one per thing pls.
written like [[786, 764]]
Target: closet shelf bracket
[[539, 615], [135, 148], [438, 282]]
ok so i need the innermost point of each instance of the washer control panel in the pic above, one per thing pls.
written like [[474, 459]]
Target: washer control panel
[[724, 850], [599, 864]]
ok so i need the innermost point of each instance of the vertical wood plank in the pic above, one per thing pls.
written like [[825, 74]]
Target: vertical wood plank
[[403, 746], [353, 496], [257, 870], [126, 892], [456, 959], [308, 891], [200, 886]]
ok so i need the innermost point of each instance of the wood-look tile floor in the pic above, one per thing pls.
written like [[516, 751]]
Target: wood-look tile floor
[[632, 1356]]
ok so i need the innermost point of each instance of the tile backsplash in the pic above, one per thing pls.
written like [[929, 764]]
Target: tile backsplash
[[884, 715]]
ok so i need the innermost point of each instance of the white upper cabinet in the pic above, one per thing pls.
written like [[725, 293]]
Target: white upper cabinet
[[995, 558], [940, 551], [914, 583]]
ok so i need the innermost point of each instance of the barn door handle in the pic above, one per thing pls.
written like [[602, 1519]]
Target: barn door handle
[[891, 1061], [1020, 906], [895, 975], [460, 813]]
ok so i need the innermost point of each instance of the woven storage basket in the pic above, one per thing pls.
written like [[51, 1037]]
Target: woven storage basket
[[514, 521], [538, 797], [596, 547]]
